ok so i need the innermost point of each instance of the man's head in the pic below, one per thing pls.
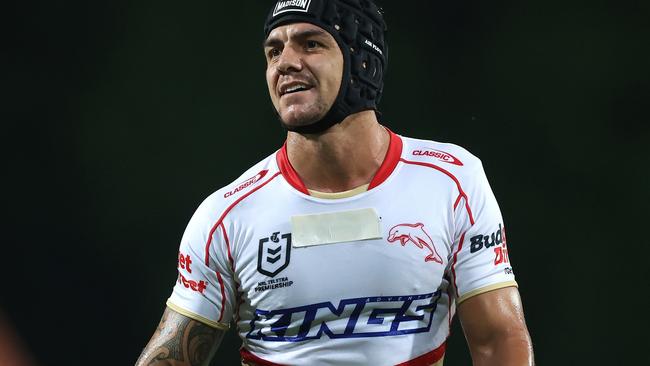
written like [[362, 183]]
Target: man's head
[[325, 61]]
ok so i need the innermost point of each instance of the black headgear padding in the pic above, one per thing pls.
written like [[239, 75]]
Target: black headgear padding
[[358, 27]]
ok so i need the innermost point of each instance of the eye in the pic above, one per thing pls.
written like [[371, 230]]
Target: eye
[[312, 44], [274, 52]]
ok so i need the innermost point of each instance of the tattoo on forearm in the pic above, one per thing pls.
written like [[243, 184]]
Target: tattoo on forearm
[[180, 341]]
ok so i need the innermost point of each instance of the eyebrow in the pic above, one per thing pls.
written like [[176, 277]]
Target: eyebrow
[[271, 42]]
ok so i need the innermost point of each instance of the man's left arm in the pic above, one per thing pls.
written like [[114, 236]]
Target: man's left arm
[[495, 329]]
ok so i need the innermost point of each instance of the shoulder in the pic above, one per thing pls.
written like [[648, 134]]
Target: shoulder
[[449, 157], [217, 204]]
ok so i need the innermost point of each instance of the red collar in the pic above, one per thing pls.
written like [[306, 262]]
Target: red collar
[[387, 166]]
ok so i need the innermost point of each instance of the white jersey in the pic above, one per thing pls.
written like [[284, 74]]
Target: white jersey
[[368, 279]]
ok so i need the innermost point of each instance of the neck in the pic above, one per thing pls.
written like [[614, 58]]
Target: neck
[[344, 157]]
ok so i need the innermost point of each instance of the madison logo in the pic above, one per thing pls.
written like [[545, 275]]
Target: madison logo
[[247, 183], [274, 254], [414, 233], [440, 155], [291, 5]]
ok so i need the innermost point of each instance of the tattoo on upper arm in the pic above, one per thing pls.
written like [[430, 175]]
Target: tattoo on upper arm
[[180, 341]]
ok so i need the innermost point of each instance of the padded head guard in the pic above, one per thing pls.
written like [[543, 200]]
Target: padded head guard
[[358, 27]]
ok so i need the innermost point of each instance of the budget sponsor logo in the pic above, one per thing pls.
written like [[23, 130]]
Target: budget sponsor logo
[[380, 316], [439, 155], [495, 240]]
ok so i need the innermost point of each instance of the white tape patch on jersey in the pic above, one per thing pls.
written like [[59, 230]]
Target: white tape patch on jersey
[[335, 227]]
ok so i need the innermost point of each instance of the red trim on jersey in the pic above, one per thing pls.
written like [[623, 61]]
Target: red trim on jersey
[[223, 296], [216, 225], [249, 357], [453, 265], [390, 161], [460, 196], [232, 266], [288, 172], [225, 237], [449, 313], [427, 358], [385, 170], [460, 189]]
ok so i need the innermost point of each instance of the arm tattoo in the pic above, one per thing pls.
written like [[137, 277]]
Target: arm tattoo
[[180, 341]]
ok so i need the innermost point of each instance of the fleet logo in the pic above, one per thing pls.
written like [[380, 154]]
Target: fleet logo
[[196, 286], [291, 5], [274, 254], [247, 183], [440, 155], [380, 316], [185, 264], [415, 233], [496, 240]]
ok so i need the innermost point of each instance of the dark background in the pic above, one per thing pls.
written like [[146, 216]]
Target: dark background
[[120, 117]]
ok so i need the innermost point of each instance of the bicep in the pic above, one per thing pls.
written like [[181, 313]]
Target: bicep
[[181, 341], [493, 321]]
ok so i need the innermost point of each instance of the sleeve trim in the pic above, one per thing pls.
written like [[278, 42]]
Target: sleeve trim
[[197, 317], [482, 290]]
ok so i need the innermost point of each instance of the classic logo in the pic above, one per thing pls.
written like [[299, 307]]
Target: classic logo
[[291, 5], [415, 233], [440, 155], [247, 183], [274, 254]]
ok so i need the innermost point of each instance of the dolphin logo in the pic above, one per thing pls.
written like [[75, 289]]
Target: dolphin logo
[[415, 234]]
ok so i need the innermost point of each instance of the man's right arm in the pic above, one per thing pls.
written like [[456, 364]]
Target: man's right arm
[[181, 341]]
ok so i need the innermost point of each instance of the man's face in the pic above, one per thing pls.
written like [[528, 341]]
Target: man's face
[[304, 72]]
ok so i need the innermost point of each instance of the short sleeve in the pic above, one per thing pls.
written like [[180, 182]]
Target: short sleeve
[[204, 289], [480, 261]]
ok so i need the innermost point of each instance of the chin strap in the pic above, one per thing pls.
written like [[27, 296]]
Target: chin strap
[[334, 116]]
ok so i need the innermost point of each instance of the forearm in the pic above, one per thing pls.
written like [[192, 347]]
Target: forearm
[[495, 329], [180, 341], [507, 350]]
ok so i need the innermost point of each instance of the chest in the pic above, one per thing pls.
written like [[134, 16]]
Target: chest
[[409, 257]]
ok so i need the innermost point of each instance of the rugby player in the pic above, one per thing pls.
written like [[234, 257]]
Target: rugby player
[[350, 245]]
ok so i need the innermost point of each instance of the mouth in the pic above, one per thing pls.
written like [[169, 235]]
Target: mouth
[[293, 88]]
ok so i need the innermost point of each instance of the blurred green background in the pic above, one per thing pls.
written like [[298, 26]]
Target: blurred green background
[[121, 116]]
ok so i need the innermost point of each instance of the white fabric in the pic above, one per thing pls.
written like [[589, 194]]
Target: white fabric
[[372, 302]]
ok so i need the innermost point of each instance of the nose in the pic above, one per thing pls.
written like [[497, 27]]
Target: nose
[[290, 61]]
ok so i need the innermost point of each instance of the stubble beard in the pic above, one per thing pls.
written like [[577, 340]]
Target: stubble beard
[[315, 113]]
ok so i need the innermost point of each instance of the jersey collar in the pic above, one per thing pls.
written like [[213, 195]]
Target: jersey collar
[[385, 170]]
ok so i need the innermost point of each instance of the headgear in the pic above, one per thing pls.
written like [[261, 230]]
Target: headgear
[[358, 27]]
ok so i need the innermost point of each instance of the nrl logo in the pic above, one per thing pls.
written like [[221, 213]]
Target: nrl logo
[[291, 5], [274, 254]]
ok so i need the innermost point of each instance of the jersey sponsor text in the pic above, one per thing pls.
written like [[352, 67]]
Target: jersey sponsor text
[[379, 316], [440, 155], [247, 183]]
